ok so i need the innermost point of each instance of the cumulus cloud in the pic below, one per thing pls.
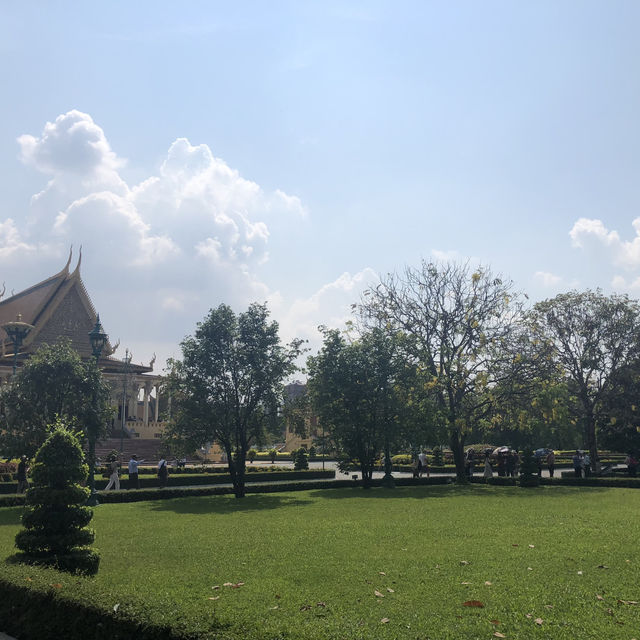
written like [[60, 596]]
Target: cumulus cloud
[[183, 240], [592, 235], [547, 279], [330, 305]]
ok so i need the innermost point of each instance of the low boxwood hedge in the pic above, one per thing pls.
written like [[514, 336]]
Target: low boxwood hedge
[[208, 478]]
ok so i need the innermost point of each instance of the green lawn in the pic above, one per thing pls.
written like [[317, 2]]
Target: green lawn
[[311, 563]]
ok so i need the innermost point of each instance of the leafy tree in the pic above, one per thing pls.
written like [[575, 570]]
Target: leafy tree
[[55, 521], [228, 385], [457, 320], [354, 389], [53, 383], [592, 337], [619, 427]]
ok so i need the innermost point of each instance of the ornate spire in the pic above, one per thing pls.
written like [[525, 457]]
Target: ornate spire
[[66, 266], [76, 271]]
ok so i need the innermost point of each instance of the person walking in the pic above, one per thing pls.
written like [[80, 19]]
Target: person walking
[[23, 470], [114, 476], [551, 462], [163, 473], [488, 471], [423, 464], [134, 480]]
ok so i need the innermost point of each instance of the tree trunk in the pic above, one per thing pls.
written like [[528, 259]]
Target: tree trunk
[[236, 470], [367, 474], [592, 444], [456, 442]]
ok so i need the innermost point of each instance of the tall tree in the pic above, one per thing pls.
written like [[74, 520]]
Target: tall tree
[[457, 318], [593, 337], [355, 391], [228, 385], [54, 383]]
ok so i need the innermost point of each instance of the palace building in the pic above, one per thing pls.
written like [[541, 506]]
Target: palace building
[[60, 307]]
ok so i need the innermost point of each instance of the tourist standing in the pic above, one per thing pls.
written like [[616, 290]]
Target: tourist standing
[[471, 454], [114, 476], [163, 473], [134, 480], [586, 465], [23, 483], [551, 462], [632, 465], [488, 471], [577, 464]]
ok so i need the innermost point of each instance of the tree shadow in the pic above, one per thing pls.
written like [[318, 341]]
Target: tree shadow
[[11, 516], [422, 492], [223, 505]]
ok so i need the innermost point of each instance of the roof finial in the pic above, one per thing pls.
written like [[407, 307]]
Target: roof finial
[[77, 269], [66, 266], [4, 288]]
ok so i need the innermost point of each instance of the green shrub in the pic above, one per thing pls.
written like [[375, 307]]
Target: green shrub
[[55, 521], [300, 460], [251, 455], [401, 458], [529, 469], [437, 459]]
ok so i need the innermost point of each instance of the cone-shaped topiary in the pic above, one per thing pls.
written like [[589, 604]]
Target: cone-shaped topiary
[[55, 521], [529, 469], [300, 460]]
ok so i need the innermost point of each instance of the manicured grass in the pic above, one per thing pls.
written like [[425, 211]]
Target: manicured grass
[[312, 561]]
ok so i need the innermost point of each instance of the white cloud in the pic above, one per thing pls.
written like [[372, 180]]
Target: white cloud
[[446, 256], [547, 279], [186, 239], [330, 305], [592, 235]]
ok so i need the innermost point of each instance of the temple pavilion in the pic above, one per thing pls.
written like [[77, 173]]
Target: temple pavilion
[[61, 307]]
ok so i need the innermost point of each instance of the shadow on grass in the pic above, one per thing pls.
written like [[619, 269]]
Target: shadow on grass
[[478, 491], [222, 505], [10, 517]]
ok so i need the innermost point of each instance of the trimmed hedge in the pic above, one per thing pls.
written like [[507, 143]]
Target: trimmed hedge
[[60, 617], [209, 478]]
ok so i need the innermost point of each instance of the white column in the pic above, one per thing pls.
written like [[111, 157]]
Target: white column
[[147, 391], [157, 402], [133, 399]]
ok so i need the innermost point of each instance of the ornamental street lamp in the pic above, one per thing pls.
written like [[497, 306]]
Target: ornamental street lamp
[[98, 339], [17, 332]]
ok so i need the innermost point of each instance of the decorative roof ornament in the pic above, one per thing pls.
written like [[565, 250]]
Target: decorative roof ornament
[[76, 271], [66, 266], [4, 288], [153, 360]]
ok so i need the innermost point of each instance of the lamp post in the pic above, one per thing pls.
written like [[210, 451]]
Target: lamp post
[[127, 362], [98, 339], [17, 332]]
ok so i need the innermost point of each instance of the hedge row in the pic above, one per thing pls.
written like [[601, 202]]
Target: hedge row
[[140, 495], [208, 478]]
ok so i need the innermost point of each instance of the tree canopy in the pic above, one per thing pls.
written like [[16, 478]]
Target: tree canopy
[[356, 389], [592, 338], [457, 319], [54, 383], [228, 384]]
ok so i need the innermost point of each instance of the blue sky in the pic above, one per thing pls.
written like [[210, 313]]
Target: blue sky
[[290, 151]]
